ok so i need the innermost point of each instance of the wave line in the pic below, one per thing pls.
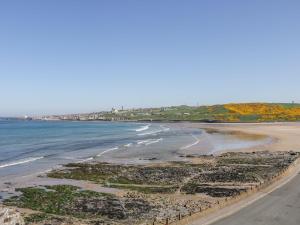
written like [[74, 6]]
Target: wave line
[[108, 150], [21, 162], [191, 145], [146, 127]]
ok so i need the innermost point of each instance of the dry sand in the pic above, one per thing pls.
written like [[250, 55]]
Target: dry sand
[[285, 136]]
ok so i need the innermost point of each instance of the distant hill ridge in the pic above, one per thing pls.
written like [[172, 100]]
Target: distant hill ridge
[[233, 112]]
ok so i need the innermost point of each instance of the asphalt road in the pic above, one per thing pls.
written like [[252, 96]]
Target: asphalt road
[[281, 207]]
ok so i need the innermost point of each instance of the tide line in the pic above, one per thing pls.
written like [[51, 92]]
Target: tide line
[[108, 150], [193, 144]]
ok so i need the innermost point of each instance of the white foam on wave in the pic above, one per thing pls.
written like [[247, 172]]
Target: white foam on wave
[[86, 160], [149, 141], [146, 127], [164, 129], [143, 142], [69, 157], [150, 133], [22, 161], [108, 150], [191, 145], [128, 145], [154, 141]]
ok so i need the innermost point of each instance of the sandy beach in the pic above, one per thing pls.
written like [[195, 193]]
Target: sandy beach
[[285, 136]]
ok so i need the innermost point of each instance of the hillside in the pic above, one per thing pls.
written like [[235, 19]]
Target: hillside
[[246, 112], [250, 112], [263, 112]]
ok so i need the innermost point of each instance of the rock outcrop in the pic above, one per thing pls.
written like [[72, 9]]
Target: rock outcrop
[[10, 216]]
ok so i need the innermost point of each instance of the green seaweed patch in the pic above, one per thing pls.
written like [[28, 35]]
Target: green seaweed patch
[[57, 199], [146, 189], [213, 191], [98, 173], [36, 218], [78, 174], [74, 203], [123, 174]]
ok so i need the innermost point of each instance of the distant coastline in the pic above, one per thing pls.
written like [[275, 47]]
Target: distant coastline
[[227, 113]]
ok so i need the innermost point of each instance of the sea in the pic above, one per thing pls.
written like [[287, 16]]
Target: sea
[[34, 147]]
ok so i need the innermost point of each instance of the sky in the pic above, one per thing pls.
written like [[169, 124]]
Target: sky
[[69, 56]]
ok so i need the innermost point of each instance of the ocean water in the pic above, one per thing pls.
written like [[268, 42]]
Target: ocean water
[[32, 147]]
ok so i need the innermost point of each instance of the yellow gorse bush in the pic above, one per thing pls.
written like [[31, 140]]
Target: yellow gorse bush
[[266, 112]]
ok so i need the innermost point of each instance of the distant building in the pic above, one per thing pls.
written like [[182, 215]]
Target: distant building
[[113, 110], [27, 117]]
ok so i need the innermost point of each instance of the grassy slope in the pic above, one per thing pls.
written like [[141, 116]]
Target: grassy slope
[[248, 112]]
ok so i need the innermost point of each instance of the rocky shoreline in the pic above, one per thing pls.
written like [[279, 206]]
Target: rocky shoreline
[[149, 194]]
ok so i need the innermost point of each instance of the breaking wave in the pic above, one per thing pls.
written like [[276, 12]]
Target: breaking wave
[[86, 160], [128, 145], [163, 129], [22, 161], [108, 150], [149, 141], [146, 127], [150, 133], [154, 141]]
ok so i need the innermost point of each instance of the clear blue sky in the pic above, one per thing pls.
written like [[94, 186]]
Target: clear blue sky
[[61, 56]]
